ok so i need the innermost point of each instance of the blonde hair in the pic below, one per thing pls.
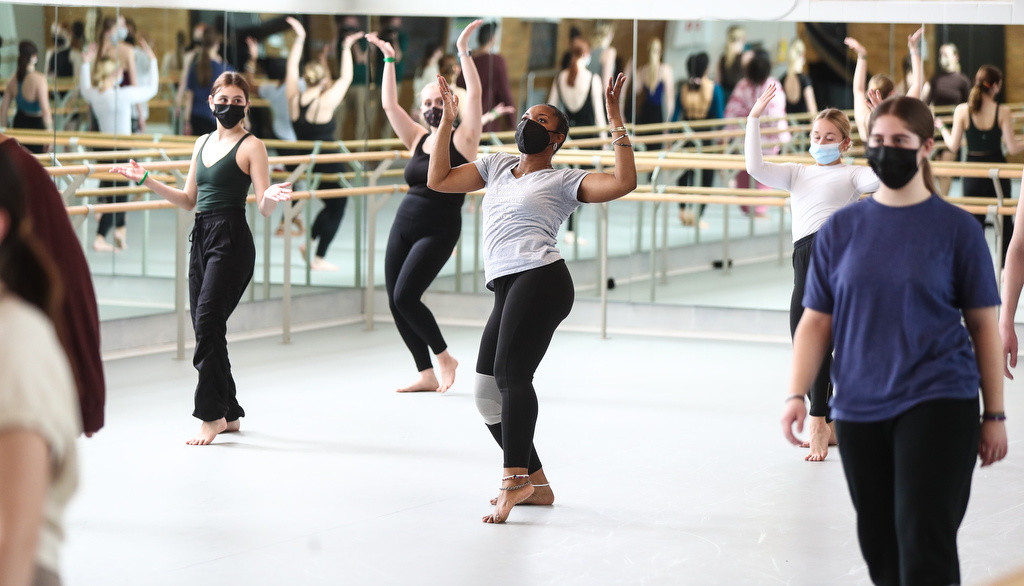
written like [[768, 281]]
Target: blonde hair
[[314, 73], [839, 119], [104, 67]]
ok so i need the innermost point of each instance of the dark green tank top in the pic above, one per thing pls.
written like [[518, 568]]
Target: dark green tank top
[[222, 185]]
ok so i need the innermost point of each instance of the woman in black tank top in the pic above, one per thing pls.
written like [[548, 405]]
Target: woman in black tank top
[[312, 114], [428, 224], [985, 145], [224, 164]]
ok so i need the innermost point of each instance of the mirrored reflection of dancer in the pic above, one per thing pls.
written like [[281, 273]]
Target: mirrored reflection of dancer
[[909, 371], [224, 164], [312, 115], [427, 224], [817, 191], [526, 202], [986, 126]]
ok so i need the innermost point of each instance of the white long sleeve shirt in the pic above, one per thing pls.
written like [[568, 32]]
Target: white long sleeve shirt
[[816, 191], [113, 108]]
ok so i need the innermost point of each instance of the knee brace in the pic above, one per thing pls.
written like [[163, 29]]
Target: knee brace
[[488, 398]]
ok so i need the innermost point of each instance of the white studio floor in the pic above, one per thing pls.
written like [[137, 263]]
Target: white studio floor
[[665, 456]]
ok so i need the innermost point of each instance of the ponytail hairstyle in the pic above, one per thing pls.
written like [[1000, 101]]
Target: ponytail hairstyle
[[986, 78], [26, 51], [882, 83], [25, 268], [230, 78], [918, 118], [580, 47], [837, 118], [204, 65]]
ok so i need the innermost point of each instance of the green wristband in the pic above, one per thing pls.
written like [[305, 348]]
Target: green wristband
[[389, 60], [143, 180]]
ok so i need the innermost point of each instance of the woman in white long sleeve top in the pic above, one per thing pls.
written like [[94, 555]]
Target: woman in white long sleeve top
[[113, 107], [816, 192]]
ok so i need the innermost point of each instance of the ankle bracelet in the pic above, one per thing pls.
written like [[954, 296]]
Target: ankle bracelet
[[514, 477], [517, 487]]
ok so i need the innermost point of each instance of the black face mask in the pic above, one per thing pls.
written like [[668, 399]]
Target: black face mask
[[532, 137], [228, 115], [433, 117], [894, 166]]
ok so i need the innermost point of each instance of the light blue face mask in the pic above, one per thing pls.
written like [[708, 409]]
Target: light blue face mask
[[824, 153]]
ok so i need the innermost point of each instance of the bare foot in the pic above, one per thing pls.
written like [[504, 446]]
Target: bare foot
[[425, 382], [446, 363], [542, 494], [233, 426], [207, 431], [819, 435], [508, 499]]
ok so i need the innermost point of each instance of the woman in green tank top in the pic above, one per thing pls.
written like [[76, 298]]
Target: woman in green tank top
[[224, 164]]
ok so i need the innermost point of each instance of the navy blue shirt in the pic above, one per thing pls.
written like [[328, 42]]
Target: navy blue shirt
[[894, 280]]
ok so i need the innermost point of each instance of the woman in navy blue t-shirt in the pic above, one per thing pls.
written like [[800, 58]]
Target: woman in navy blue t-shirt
[[894, 280]]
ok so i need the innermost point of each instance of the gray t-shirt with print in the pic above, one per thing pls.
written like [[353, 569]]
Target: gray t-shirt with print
[[522, 216]]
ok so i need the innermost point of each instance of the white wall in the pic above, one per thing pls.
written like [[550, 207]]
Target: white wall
[[929, 11]]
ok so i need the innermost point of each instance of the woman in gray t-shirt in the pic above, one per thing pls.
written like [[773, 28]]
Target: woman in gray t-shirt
[[527, 200]]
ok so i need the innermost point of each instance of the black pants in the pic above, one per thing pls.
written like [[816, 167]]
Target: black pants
[[910, 479], [420, 243], [528, 307], [221, 265], [326, 224], [821, 389], [108, 220]]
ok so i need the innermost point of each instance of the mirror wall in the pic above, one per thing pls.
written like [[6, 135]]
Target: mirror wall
[[658, 252]]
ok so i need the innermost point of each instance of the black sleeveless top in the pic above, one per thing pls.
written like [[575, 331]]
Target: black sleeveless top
[[416, 174], [585, 116], [985, 142], [305, 130], [223, 184]]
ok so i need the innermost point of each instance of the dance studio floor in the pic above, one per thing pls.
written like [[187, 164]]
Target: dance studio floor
[[664, 454]]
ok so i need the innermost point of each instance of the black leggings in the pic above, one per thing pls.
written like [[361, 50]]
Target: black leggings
[[821, 389], [910, 480], [220, 267], [326, 224], [528, 307], [420, 243], [108, 220]]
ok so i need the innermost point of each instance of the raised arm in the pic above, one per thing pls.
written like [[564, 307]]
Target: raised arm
[[183, 198], [602, 187], [916, 70], [984, 332], [291, 75], [407, 129], [771, 174], [440, 175], [267, 195], [860, 82], [467, 139]]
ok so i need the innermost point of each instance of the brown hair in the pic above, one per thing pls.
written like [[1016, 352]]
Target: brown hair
[[839, 119], [986, 77], [580, 47], [918, 119], [230, 78], [882, 83], [25, 267]]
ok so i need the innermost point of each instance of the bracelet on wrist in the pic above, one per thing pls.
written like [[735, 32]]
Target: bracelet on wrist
[[791, 397], [1000, 416], [143, 180], [389, 60]]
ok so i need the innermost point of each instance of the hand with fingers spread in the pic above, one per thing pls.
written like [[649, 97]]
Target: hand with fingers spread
[[794, 412], [612, 94], [133, 171], [763, 101], [451, 101]]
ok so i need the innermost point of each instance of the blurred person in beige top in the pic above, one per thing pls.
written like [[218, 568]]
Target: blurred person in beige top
[[39, 416]]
